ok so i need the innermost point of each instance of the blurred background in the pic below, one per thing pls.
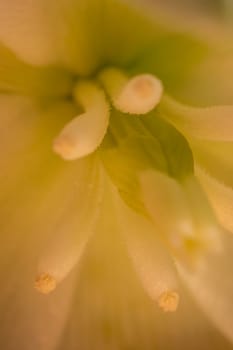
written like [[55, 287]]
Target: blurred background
[[216, 8]]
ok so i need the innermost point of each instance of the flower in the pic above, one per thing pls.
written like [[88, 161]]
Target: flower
[[116, 131]]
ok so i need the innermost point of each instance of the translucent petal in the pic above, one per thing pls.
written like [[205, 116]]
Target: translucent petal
[[76, 33], [27, 131], [211, 123], [112, 312], [37, 191], [24, 79], [214, 169], [220, 196], [27, 319], [215, 157], [85, 34], [212, 287], [210, 82], [182, 215], [21, 29]]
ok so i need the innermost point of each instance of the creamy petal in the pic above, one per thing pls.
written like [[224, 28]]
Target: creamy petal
[[215, 157], [27, 131], [76, 33], [21, 78], [27, 319], [25, 27], [211, 285], [210, 82], [111, 310], [211, 123], [220, 196], [85, 34], [29, 221], [213, 166], [182, 214]]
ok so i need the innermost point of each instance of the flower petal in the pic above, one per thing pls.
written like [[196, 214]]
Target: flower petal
[[215, 157], [27, 131], [24, 79], [211, 123], [26, 27], [212, 286], [220, 196], [214, 169], [29, 320], [111, 310], [182, 215], [85, 34], [31, 214], [76, 33], [210, 81]]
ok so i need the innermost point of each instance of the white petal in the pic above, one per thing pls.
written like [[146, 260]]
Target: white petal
[[26, 135], [211, 123], [21, 29], [210, 82], [220, 196], [28, 319], [111, 311], [182, 214], [215, 157], [212, 286]]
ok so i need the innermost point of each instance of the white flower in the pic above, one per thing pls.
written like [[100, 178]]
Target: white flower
[[115, 129]]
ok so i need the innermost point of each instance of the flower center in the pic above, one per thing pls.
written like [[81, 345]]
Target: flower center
[[84, 134]]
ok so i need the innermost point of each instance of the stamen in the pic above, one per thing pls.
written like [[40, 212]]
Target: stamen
[[138, 95], [191, 229], [164, 197], [83, 135], [150, 258], [169, 301], [70, 234], [45, 283]]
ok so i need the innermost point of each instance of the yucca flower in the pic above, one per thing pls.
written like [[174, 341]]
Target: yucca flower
[[116, 178]]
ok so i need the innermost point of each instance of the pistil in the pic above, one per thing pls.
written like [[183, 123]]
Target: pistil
[[137, 95], [83, 134]]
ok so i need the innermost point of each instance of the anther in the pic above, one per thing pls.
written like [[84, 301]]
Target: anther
[[137, 95], [45, 283], [83, 134], [169, 301]]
